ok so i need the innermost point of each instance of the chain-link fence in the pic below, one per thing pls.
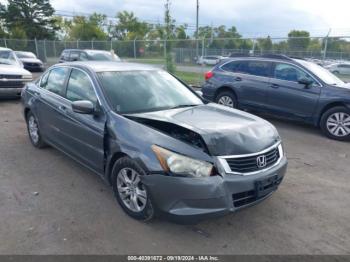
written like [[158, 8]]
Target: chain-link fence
[[188, 54]]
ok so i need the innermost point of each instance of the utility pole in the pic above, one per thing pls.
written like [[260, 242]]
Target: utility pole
[[326, 44], [197, 19]]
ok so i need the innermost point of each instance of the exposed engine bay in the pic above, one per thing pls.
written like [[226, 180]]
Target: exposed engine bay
[[175, 131]]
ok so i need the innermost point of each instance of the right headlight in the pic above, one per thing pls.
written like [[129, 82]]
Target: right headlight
[[182, 165]]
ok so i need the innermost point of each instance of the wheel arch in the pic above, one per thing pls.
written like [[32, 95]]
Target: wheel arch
[[226, 88], [329, 106], [115, 157]]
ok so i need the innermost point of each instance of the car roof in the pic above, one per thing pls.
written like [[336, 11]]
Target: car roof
[[104, 66], [89, 50]]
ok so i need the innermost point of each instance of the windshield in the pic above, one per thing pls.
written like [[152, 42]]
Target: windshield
[[25, 55], [7, 57], [102, 56], [145, 91], [322, 73]]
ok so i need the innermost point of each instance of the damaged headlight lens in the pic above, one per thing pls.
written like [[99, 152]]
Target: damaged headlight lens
[[182, 165]]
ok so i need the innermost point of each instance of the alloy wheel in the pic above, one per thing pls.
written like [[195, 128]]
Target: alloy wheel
[[33, 129], [131, 190], [226, 101], [338, 124]]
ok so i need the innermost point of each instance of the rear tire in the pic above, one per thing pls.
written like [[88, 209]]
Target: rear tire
[[335, 123], [336, 72], [34, 131], [131, 194], [226, 98]]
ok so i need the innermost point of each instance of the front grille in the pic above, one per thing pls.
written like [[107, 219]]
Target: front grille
[[250, 164], [262, 189], [32, 64], [244, 198], [10, 76], [11, 84]]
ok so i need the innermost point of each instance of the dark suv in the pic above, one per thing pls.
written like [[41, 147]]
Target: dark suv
[[284, 86], [70, 55]]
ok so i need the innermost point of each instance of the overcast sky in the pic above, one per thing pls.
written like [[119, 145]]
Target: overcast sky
[[251, 17]]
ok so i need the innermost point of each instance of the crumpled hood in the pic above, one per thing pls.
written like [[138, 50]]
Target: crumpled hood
[[12, 70], [225, 131]]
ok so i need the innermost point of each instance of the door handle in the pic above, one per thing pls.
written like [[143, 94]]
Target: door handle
[[36, 94], [275, 86], [238, 78], [62, 108]]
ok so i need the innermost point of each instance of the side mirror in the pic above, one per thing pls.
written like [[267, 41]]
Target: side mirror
[[305, 81], [83, 107]]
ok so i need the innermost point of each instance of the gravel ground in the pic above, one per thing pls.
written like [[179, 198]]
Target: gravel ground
[[51, 205]]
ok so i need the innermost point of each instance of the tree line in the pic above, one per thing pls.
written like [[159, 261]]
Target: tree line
[[35, 19]]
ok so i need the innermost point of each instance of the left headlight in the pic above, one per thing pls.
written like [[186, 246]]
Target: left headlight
[[182, 165]]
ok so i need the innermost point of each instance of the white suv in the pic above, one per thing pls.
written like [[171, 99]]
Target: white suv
[[12, 75]]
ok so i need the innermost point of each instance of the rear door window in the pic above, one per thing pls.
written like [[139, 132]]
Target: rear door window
[[258, 68], [54, 81]]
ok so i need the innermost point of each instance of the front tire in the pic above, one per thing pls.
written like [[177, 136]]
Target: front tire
[[227, 98], [34, 131], [335, 123], [131, 194]]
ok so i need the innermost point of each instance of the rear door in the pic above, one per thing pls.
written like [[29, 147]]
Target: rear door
[[250, 79], [287, 96], [49, 102], [83, 134]]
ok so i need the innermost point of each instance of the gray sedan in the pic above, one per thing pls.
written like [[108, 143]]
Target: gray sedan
[[162, 148]]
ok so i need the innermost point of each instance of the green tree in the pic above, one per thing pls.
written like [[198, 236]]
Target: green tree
[[35, 17], [169, 31], [129, 27], [87, 28], [265, 44], [298, 40]]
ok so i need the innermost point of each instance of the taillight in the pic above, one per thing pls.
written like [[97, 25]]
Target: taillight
[[208, 75]]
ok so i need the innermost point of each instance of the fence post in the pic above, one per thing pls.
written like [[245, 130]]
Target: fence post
[[111, 44], [54, 48], [135, 47], [45, 50], [78, 44], [5, 42], [326, 45], [165, 49], [253, 50], [203, 40], [36, 47], [92, 44]]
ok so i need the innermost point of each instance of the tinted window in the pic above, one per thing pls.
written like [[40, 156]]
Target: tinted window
[[344, 66], [144, 91], [290, 73], [83, 56], [258, 68], [65, 55], [234, 66], [74, 56], [55, 80], [80, 87]]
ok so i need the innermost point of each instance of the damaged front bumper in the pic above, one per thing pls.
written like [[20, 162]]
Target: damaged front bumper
[[190, 200]]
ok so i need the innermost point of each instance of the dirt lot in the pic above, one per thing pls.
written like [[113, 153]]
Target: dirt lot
[[74, 212]]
